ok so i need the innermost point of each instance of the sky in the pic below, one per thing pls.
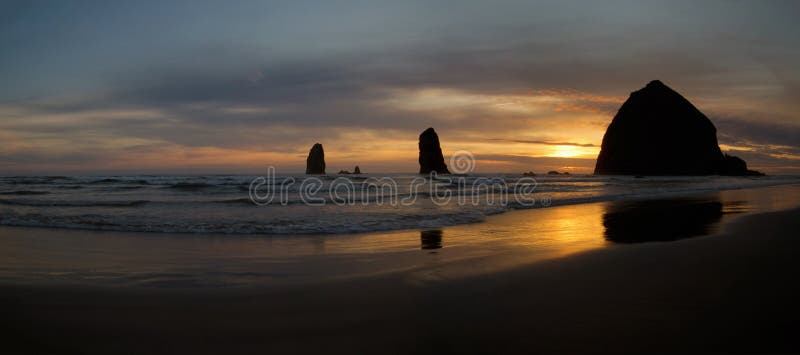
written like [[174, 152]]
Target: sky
[[185, 87]]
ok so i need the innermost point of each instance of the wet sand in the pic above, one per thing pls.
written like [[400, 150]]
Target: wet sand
[[733, 292]]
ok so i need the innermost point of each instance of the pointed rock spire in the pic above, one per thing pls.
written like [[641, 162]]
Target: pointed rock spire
[[315, 163], [430, 153]]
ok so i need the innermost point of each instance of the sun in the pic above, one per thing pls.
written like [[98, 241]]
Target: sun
[[565, 151]]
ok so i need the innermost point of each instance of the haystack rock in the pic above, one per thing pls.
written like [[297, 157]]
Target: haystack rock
[[357, 170], [658, 132], [430, 153], [315, 163]]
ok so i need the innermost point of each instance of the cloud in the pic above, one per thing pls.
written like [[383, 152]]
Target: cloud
[[493, 72], [765, 131], [540, 164], [543, 142]]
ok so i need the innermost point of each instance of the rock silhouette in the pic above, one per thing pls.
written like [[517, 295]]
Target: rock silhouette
[[315, 163], [430, 153], [431, 239], [661, 220], [658, 132], [357, 170], [732, 165]]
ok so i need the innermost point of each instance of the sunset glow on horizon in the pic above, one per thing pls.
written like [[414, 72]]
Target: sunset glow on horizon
[[522, 93]]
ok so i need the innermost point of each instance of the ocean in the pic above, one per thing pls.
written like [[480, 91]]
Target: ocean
[[330, 204]]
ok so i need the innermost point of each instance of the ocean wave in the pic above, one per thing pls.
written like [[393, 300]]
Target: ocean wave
[[24, 192], [304, 226], [218, 204], [244, 201], [119, 181], [190, 186], [122, 188], [58, 203], [32, 180]]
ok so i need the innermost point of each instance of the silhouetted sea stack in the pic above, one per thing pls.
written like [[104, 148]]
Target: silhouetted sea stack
[[430, 153], [315, 163], [357, 170], [658, 132]]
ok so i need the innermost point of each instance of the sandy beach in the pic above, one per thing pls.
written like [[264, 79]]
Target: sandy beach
[[399, 177], [729, 292]]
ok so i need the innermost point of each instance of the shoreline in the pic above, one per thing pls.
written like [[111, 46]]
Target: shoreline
[[732, 292], [503, 241], [557, 201]]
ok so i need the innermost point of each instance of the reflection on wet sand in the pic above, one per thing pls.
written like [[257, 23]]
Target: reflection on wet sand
[[661, 220], [431, 239]]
